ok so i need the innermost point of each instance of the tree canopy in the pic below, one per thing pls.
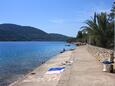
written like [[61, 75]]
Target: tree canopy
[[99, 30]]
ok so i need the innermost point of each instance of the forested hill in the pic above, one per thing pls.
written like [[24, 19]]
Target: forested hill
[[13, 32]]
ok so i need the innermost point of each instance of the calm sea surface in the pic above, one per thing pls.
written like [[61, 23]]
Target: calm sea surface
[[19, 58]]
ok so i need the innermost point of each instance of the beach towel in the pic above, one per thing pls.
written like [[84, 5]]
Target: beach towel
[[55, 70]]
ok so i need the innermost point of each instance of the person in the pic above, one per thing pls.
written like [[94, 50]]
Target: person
[[63, 50]]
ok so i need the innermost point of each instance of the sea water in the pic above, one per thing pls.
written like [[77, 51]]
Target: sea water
[[19, 58]]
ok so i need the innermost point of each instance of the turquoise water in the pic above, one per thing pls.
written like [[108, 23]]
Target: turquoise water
[[19, 58]]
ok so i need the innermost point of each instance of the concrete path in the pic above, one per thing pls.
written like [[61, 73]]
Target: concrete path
[[85, 71]]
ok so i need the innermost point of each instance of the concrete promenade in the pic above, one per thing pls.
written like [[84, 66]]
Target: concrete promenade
[[84, 71]]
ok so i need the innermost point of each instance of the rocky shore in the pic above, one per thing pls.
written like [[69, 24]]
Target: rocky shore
[[100, 53]]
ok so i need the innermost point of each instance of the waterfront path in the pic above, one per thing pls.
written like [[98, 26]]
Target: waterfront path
[[84, 71]]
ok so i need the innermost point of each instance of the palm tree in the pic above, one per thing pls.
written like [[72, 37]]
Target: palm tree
[[100, 30]]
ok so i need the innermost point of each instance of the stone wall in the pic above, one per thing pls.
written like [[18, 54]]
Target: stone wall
[[101, 54]]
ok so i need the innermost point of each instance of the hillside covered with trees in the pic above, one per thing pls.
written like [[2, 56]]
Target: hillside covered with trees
[[13, 32]]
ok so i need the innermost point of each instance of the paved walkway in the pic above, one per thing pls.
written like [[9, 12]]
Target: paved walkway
[[86, 71]]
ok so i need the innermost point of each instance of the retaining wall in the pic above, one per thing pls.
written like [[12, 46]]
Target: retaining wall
[[101, 54]]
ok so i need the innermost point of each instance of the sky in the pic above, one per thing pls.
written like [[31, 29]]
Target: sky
[[52, 16]]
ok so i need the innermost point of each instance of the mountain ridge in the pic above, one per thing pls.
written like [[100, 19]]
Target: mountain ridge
[[14, 32]]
